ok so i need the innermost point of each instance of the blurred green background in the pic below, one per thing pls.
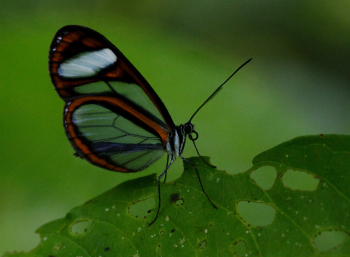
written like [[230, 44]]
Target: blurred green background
[[297, 84]]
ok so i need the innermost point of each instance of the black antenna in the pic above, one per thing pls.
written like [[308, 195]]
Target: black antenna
[[219, 88]]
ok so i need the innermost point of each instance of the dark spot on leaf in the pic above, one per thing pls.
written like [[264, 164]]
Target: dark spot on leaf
[[149, 211], [173, 230], [107, 249], [177, 199]]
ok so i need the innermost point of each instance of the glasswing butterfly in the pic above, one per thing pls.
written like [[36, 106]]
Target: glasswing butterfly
[[112, 116]]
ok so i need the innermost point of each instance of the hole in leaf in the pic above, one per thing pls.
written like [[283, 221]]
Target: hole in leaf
[[264, 177], [255, 213], [328, 240], [299, 180], [141, 209], [80, 227], [174, 197]]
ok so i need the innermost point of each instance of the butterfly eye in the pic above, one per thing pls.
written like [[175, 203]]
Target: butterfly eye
[[188, 128]]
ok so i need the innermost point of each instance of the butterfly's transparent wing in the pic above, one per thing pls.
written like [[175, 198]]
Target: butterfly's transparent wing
[[129, 91], [114, 136], [113, 117], [83, 62]]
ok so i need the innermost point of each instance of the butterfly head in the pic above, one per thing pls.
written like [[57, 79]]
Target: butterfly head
[[178, 139], [188, 129]]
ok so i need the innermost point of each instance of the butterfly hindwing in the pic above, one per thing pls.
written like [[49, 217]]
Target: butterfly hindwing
[[114, 134]]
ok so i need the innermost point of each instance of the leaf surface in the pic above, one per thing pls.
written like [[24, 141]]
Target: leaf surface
[[294, 201]]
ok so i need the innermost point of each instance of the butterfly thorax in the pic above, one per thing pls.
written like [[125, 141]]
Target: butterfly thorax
[[177, 139]]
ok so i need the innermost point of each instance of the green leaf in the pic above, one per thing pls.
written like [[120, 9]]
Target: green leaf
[[294, 201]]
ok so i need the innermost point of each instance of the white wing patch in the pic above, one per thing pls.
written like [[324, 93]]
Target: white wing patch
[[87, 64]]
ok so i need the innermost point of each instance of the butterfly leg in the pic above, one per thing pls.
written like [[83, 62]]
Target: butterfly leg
[[159, 200], [200, 182], [166, 173], [163, 174]]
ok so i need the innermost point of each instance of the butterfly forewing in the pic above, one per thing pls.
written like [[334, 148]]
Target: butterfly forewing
[[83, 62], [110, 136]]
